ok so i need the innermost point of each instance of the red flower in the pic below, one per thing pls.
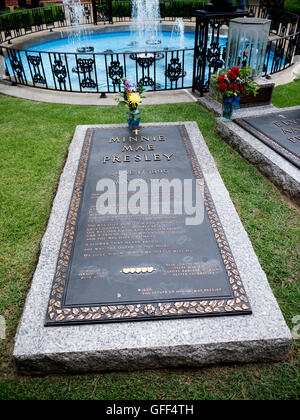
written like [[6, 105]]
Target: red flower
[[221, 78], [222, 87], [231, 75], [234, 87], [241, 88], [235, 70]]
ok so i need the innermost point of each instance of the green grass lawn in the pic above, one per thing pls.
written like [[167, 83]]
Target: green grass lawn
[[292, 6], [34, 140], [287, 95]]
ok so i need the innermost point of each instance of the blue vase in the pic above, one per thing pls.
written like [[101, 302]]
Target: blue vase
[[133, 119], [229, 105]]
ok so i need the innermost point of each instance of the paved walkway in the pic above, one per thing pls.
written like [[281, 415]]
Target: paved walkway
[[51, 96]]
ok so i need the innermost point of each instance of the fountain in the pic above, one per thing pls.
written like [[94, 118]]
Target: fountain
[[178, 33], [146, 30], [76, 17], [146, 22]]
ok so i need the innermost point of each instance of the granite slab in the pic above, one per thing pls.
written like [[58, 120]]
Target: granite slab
[[262, 336]]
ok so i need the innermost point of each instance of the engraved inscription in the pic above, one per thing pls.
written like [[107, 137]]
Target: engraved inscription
[[280, 131], [124, 267]]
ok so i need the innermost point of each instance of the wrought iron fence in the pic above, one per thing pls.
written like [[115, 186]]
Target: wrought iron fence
[[98, 72], [283, 23], [280, 53]]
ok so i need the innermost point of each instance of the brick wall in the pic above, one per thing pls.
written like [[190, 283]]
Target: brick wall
[[22, 3], [11, 3], [15, 3]]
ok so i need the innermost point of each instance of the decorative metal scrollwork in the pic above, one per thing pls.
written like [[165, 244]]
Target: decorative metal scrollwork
[[85, 67], [116, 72], [17, 66], [145, 62], [35, 61], [174, 71], [38, 78], [209, 52], [217, 23], [60, 72], [88, 83], [147, 81], [214, 56]]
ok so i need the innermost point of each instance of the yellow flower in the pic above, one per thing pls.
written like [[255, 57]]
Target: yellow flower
[[134, 98]]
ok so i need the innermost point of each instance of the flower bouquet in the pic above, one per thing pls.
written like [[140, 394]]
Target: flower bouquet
[[131, 98], [230, 84]]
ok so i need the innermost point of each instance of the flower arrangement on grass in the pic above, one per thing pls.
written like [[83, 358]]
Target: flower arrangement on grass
[[131, 95], [231, 84]]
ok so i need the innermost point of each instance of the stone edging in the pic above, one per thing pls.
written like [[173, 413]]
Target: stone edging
[[262, 336]]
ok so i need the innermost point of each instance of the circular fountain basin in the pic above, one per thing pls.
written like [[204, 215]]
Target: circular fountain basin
[[139, 62], [69, 63], [117, 41]]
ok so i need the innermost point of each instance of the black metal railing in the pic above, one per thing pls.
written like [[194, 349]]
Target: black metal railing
[[98, 72], [280, 53], [283, 23]]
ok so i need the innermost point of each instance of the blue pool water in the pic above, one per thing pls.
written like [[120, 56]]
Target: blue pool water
[[117, 46], [116, 41]]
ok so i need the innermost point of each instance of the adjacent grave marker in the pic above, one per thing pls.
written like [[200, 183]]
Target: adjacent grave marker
[[279, 130]]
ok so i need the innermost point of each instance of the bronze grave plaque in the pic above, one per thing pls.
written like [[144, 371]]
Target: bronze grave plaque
[[129, 266], [279, 130]]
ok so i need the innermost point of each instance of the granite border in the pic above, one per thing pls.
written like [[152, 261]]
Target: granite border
[[262, 336]]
